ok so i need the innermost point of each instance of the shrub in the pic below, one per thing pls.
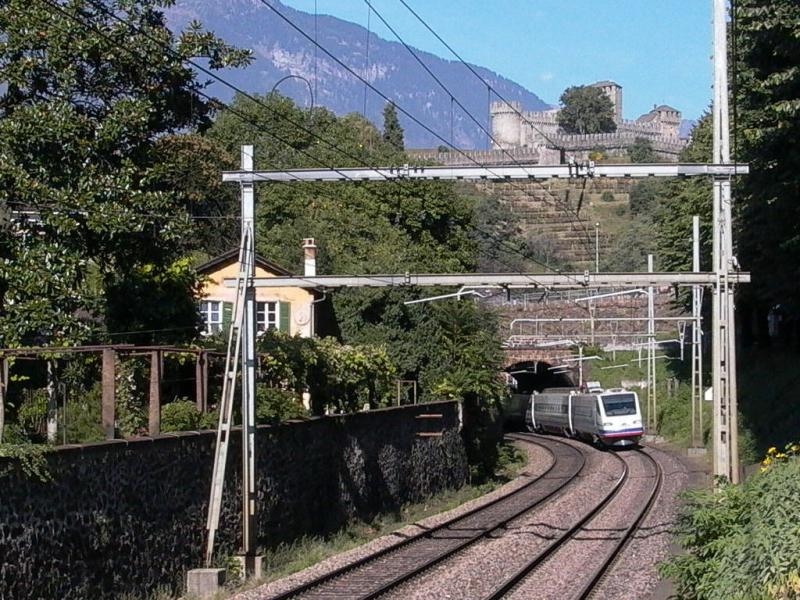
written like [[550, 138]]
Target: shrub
[[32, 413], [84, 418], [209, 420], [274, 405], [180, 415], [742, 541], [607, 196]]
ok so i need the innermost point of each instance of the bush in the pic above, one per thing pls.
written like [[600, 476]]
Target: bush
[[209, 420], [275, 405], [84, 418], [180, 415], [607, 197], [32, 413], [742, 541]]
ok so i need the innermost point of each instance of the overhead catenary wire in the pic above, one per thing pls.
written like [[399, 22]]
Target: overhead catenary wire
[[478, 75], [238, 113], [386, 98], [375, 89]]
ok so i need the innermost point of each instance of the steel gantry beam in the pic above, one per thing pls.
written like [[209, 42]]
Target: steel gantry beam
[[497, 173], [498, 280]]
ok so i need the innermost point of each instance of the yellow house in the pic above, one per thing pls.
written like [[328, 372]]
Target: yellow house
[[289, 309]]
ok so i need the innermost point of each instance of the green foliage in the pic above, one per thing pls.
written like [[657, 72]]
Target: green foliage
[[607, 196], [642, 151], [180, 415], [629, 249], [768, 118], [470, 358], [84, 417], [392, 130], [597, 154], [131, 397], [209, 420], [32, 413], [85, 101], [741, 541], [586, 109], [339, 376], [28, 458], [274, 405]]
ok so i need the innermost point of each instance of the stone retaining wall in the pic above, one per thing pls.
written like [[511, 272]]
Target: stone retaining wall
[[128, 517]]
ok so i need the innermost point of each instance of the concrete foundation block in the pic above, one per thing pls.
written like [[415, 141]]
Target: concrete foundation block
[[251, 566], [204, 583], [699, 451]]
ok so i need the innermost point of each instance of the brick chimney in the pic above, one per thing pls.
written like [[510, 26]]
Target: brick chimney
[[309, 258]]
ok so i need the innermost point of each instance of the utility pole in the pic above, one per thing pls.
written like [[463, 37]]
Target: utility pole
[[726, 459], [697, 348], [597, 247], [248, 268], [651, 353]]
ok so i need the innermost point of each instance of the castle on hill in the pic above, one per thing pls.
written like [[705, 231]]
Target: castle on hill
[[513, 128]]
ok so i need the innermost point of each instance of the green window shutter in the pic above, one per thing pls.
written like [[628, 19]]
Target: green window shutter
[[227, 315], [284, 316]]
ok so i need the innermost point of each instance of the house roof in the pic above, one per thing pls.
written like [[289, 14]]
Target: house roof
[[665, 107], [606, 83], [233, 255]]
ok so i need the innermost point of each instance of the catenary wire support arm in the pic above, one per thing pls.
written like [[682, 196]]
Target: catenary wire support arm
[[496, 280], [507, 172]]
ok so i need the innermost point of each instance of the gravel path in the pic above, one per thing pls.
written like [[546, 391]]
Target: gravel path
[[539, 460], [476, 571]]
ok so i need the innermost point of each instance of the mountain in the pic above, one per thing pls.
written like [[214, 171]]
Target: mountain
[[279, 51]]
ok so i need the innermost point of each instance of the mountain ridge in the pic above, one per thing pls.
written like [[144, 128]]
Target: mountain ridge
[[280, 51]]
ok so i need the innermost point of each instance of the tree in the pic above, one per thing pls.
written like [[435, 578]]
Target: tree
[[392, 131], [586, 109], [90, 90], [768, 119], [641, 151]]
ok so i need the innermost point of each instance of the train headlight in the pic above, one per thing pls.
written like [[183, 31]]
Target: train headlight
[[607, 424]]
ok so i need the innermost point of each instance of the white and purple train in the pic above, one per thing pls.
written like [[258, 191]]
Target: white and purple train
[[610, 418]]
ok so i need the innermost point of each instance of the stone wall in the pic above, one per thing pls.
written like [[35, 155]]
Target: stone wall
[[127, 517]]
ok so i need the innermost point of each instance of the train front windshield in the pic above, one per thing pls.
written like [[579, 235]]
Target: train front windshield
[[619, 405]]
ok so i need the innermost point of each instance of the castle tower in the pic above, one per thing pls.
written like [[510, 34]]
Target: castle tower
[[506, 125], [614, 92]]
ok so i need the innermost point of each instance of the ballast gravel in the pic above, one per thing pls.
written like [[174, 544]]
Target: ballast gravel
[[538, 461], [478, 570]]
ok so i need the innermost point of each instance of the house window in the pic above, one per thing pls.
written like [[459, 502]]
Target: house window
[[211, 311], [266, 316]]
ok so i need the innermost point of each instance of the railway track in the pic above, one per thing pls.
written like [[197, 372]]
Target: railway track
[[554, 554], [378, 573]]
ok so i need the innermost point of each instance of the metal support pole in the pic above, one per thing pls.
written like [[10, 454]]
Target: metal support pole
[[697, 351], [726, 463], [580, 366], [651, 353], [248, 367], [597, 247]]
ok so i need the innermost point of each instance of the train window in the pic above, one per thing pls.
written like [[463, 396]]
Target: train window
[[619, 405]]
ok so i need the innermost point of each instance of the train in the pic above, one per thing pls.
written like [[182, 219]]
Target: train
[[609, 418]]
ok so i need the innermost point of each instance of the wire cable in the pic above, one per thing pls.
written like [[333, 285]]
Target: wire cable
[[244, 117], [490, 137]]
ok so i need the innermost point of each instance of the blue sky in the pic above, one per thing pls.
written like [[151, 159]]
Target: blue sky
[[657, 50]]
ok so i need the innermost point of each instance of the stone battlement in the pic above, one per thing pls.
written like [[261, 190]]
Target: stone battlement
[[514, 128]]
